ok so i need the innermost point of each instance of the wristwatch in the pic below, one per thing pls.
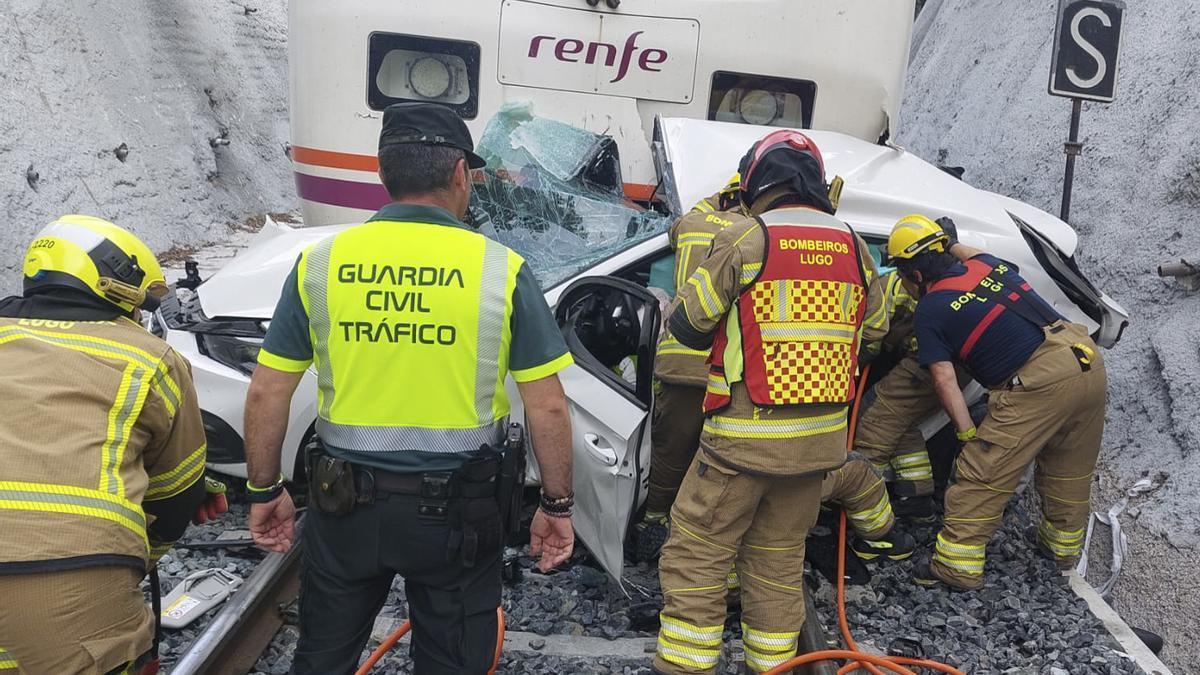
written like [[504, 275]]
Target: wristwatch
[[262, 495]]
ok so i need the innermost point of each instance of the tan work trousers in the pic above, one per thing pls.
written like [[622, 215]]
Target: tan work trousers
[[1054, 418], [887, 433], [674, 437], [859, 489], [89, 620], [723, 517]]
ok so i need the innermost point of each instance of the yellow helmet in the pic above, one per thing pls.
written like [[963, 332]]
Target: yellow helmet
[[915, 234], [95, 256], [727, 197], [733, 184]]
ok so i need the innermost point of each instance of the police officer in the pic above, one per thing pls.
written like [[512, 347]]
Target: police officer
[[781, 300], [103, 470], [1045, 405], [413, 322]]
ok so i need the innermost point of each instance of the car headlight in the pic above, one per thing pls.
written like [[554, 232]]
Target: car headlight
[[233, 342], [238, 353]]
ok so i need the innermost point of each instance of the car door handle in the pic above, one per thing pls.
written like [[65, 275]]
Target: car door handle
[[600, 448]]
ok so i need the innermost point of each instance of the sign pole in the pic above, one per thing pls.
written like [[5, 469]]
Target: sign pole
[[1073, 148]]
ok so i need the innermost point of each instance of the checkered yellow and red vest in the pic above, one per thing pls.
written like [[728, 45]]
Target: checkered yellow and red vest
[[792, 336]]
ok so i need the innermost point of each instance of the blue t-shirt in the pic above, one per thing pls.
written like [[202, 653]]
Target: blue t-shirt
[[1000, 340]]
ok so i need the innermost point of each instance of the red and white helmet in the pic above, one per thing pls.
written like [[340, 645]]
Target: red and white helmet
[[784, 157]]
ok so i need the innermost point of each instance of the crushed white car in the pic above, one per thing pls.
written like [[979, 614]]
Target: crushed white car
[[596, 255]]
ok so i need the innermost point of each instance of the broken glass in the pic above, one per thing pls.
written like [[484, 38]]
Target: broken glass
[[553, 193]]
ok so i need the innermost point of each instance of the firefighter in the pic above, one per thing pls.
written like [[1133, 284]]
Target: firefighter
[[781, 303], [103, 470], [413, 322], [1045, 406], [888, 433], [680, 373], [859, 488]]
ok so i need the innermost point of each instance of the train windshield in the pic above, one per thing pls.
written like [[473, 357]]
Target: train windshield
[[553, 193]]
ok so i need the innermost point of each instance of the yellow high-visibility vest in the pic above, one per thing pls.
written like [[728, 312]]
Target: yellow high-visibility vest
[[410, 325]]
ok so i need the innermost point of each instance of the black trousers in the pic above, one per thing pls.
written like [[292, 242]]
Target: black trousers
[[348, 565]]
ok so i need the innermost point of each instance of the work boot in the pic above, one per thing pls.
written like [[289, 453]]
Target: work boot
[[1031, 534], [914, 509], [894, 545], [649, 537], [924, 575]]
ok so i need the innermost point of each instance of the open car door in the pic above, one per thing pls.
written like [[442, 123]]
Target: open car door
[[611, 327]]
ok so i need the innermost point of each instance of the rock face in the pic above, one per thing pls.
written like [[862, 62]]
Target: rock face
[[977, 98], [170, 119]]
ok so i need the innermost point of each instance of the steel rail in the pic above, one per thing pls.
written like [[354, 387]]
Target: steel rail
[[240, 632], [813, 639]]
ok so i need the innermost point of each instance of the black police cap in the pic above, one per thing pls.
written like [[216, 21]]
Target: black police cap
[[427, 123]]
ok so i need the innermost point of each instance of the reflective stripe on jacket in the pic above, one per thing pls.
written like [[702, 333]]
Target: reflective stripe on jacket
[[900, 306], [101, 417], [793, 335], [691, 237], [445, 295]]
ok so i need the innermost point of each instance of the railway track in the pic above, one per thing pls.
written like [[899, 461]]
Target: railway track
[[245, 632], [242, 629], [239, 634]]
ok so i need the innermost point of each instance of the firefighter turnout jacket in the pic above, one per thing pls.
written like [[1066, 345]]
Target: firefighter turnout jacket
[[899, 305], [691, 237], [414, 322], [783, 303], [103, 435]]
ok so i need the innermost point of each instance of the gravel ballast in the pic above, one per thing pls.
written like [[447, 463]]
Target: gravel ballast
[[1026, 619]]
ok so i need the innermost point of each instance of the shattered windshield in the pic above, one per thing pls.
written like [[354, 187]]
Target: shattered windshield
[[553, 193]]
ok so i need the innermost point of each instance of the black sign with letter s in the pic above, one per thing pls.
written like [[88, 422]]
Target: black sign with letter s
[[1087, 43]]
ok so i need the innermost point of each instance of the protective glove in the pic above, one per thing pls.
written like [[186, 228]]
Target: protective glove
[[868, 352], [214, 503], [948, 226]]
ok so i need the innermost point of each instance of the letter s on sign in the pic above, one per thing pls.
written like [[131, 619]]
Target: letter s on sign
[[1101, 63]]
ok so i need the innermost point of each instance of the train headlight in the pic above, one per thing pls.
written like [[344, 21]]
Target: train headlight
[[417, 68], [762, 100], [429, 77], [759, 107]]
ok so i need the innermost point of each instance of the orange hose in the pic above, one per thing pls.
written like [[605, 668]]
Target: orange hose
[[500, 628], [843, 623], [840, 654], [384, 647], [391, 640]]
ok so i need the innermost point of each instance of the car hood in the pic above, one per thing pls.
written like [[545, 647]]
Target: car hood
[[248, 287], [883, 182]]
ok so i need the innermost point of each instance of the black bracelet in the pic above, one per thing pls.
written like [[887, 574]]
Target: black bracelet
[[557, 506]]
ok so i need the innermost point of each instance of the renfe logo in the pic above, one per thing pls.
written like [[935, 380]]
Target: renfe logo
[[569, 49]]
